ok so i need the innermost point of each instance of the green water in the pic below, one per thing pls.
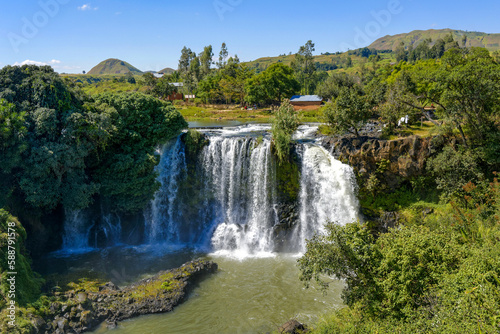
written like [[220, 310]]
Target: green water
[[253, 295]]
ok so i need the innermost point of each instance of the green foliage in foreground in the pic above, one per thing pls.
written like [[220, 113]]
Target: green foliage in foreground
[[27, 283], [440, 275]]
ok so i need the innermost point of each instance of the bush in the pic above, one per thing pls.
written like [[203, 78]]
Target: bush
[[453, 168], [28, 283], [284, 125], [439, 277]]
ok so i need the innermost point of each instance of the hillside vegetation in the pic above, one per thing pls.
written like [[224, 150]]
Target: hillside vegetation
[[474, 38], [114, 66]]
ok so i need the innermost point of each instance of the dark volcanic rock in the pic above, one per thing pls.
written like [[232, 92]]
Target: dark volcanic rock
[[402, 159]]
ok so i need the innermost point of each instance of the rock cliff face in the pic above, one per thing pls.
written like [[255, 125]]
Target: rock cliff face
[[394, 161], [81, 310]]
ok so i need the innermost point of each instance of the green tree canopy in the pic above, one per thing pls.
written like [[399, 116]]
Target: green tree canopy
[[125, 169], [349, 111], [60, 134], [274, 84]]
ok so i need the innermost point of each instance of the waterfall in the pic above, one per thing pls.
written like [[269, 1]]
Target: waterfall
[[241, 172], [76, 230], [227, 201], [90, 228], [164, 218], [225, 198], [327, 193]]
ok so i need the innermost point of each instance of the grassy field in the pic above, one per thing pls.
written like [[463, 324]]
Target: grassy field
[[193, 113]]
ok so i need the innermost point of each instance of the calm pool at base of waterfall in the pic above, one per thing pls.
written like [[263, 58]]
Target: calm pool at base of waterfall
[[252, 295]]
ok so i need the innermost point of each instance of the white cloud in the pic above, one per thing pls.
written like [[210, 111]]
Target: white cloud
[[30, 62], [87, 6], [39, 63]]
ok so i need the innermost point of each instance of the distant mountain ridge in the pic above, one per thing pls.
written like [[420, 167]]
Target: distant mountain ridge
[[474, 38], [114, 66]]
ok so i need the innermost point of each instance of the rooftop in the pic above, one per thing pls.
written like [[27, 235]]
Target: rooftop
[[306, 98]]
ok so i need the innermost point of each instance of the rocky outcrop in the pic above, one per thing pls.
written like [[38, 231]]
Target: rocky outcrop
[[394, 161], [292, 327], [81, 310]]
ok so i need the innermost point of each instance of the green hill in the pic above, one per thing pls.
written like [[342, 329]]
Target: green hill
[[479, 39], [113, 66], [167, 70], [327, 62]]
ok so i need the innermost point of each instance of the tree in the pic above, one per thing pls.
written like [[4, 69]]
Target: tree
[[223, 54], [184, 62], [347, 253], [149, 80], [163, 88], [304, 66], [272, 85], [60, 136], [330, 88], [126, 167], [284, 125], [13, 144], [401, 53], [349, 111], [28, 283], [206, 60], [470, 85]]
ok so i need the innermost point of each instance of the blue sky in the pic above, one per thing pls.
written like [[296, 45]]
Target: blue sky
[[75, 35]]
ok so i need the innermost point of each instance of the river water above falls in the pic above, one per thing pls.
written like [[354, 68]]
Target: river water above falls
[[230, 200]]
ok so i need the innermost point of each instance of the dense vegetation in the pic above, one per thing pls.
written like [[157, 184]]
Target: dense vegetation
[[62, 149], [440, 274], [438, 270]]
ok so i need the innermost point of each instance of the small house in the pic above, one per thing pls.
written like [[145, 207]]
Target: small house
[[176, 95], [306, 102]]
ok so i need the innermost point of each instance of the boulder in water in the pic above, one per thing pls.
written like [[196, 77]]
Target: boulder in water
[[292, 327]]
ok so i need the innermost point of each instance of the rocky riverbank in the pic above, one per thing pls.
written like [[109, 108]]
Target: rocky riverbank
[[86, 307]]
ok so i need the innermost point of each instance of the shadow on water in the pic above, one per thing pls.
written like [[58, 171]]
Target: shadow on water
[[121, 264]]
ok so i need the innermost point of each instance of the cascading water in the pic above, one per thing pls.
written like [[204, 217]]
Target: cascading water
[[164, 216], [84, 229], [76, 230], [240, 171], [228, 200], [327, 193]]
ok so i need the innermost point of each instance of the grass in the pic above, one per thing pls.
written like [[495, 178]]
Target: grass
[[193, 113], [422, 129], [166, 282], [111, 87]]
